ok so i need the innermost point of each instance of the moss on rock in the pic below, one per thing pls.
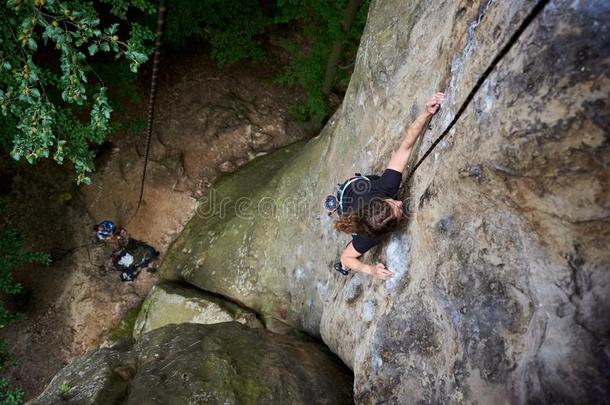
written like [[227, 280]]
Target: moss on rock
[[172, 303], [223, 247], [126, 327], [225, 363]]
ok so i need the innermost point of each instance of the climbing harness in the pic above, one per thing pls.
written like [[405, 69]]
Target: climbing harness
[[334, 203], [512, 40], [151, 100]]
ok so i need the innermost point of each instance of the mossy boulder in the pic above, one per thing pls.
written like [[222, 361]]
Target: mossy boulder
[[172, 303], [226, 247], [225, 363]]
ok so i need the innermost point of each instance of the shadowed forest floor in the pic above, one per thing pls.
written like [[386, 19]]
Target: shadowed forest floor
[[208, 121]]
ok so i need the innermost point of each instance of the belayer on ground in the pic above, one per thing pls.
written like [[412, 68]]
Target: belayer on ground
[[366, 205], [134, 257], [131, 255]]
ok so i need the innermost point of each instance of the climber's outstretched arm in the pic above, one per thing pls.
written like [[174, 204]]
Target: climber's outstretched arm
[[401, 156], [350, 259]]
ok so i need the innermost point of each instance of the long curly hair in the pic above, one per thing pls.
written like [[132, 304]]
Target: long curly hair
[[374, 219]]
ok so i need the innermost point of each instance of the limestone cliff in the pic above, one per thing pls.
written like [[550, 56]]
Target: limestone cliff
[[502, 273]]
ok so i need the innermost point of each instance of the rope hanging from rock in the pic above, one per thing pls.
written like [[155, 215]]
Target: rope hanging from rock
[[152, 99], [512, 40]]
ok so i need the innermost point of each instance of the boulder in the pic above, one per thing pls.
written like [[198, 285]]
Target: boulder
[[225, 363], [171, 303]]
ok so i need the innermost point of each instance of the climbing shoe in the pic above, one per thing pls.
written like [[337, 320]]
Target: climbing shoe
[[339, 267]]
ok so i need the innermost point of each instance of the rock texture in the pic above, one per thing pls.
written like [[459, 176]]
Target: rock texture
[[226, 363], [502, 274], [169, 303]]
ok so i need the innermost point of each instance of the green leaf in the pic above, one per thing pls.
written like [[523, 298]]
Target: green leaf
[[32, 44], [139, 57]]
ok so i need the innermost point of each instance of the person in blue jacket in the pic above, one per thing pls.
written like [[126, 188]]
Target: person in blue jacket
[[105, 230]]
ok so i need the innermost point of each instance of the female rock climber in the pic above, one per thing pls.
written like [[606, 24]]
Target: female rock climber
[[366, 205]]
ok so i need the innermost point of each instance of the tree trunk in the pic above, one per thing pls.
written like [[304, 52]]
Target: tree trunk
[[331, 67]]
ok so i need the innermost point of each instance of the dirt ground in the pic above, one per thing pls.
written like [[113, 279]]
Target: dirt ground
[[208, 121]]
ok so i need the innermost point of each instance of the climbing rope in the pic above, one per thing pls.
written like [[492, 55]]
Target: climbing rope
[[151, 100], [512, 40]]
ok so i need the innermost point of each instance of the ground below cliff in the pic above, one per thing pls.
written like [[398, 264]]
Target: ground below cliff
[[209, 122]]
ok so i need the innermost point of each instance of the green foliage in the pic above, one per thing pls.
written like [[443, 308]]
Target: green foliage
[[120, 7], [55, 104], [231, 27], [307, 71], [44, 104], [125, 328], [322, 20], [64, 388], [8, 395], [12, 255], [123, 90]]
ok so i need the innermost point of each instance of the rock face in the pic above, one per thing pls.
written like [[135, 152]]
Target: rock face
[[169, 303], [502, 273], [225, 363]]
